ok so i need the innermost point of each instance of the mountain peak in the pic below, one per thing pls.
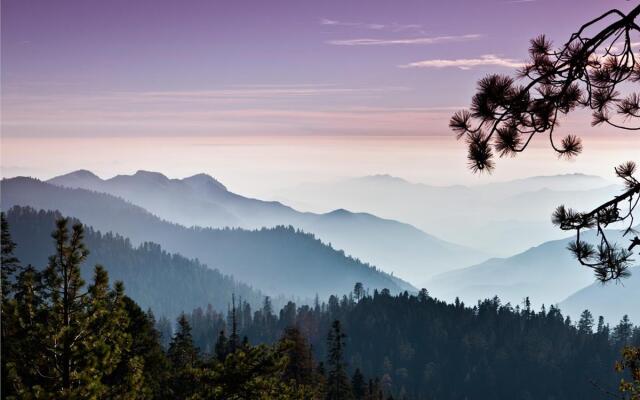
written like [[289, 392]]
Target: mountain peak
[[156, 176], [81, 173], [339, 212], [203, 179], [79, 178]]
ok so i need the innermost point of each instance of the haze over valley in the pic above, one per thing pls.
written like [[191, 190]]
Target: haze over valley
[[320, 200]]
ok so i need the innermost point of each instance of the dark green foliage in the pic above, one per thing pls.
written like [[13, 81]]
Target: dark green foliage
[[300, 361], [183, 356], [338, 387], [8, 260], [358, 385], [69, 341], [422, 348]]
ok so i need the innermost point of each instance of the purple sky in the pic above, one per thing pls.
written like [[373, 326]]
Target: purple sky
[[201, 67]]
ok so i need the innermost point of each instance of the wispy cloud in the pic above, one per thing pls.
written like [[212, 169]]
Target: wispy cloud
[[266, 92], [405, 41], [393, 27], [467, 63]]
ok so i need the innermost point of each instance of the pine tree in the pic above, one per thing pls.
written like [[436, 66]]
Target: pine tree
[[182, 353], [68, 339], [163, 326], [299, 362], [358, 385], [585, 324], [622, 332], [222, 347], [358, 291], [183, 356], [9, 264], [234, 338], [338, 387]]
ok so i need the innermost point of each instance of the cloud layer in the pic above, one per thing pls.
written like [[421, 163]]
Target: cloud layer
[[467, 63], [405, 41]]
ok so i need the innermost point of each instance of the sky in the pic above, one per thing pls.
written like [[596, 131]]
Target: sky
[[281, 90]]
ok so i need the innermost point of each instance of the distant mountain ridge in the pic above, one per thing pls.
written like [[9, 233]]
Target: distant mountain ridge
[[276, 261], [201, 200], [501, 218], [547, 273], [612, 300]]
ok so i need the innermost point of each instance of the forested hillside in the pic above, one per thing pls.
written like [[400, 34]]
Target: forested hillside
[[280, 260], [166, 283], [66, 338], [424, 348]]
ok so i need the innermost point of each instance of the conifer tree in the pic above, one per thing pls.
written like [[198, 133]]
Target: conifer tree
[[358, 385], [338, 387], [182, 353], [585, 324], [222, 347], [183, 356], [67, 339], [299, 362], [9, 264]]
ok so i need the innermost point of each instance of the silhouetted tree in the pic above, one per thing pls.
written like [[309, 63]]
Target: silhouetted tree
[[591, 70], [585, 324], [358, 385], [338, 387]]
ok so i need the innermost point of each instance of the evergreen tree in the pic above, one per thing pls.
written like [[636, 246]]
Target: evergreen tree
[[358, 291], [234, 338], [622, 332], [67, 340], [299, 366], [358, 385], [182, 353], [145, 353], [222, 347], [9, 264], [338, 387], [163, 326], [183, 356], [585, 324]]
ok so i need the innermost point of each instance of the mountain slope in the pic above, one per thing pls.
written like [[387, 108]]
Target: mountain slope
[[203, 201], [167, 283], [547, 273], [280, 260], [612, 300]]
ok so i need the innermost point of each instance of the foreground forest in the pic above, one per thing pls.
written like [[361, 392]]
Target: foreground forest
[[64, 339]]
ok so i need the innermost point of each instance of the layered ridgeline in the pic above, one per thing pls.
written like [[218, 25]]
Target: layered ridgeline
[[279, 260], [499, 218], [168, 284], [203, 201], [548, 273]]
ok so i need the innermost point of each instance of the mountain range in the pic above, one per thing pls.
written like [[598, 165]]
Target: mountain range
[[547, 274], [500, 218], [280, 260], [612, 300], [201, 200]]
